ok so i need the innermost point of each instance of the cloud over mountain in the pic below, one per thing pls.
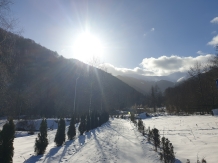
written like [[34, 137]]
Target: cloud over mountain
[[161, 66]]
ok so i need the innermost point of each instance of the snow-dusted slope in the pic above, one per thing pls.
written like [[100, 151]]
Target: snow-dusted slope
[[119, 141], [116, 141], [191, 136]]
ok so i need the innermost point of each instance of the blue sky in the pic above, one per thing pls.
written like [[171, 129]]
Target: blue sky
[[143, 37]]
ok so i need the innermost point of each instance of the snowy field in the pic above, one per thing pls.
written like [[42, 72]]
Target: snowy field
[[118, 141], [191, 136]]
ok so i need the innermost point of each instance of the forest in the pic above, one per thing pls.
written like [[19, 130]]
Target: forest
[[36, 81], [198, 93]]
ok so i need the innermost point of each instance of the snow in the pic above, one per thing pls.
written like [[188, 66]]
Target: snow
[[191, 136], [118, 141]]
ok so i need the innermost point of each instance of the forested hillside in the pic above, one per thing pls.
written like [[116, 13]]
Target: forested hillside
[[196, 94], [37, 81]]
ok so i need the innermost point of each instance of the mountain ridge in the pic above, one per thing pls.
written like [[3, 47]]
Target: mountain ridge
[[144, 86]]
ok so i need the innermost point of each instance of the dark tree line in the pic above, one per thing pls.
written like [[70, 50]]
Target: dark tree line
[[154, 99], [93, 120], [196, 94]]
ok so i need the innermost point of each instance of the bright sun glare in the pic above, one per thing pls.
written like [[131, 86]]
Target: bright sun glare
[[87, 46]]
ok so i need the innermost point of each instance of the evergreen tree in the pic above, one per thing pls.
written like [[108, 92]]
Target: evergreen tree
[[167, 151], [162, 145], [1, 145], [93, 120], [149, 134], [171, 154], [41, 142], [88, 123], [140, 125], [60, 135], [72, 129], [82, 125], [132, 117], [156, 138], [6, 142]]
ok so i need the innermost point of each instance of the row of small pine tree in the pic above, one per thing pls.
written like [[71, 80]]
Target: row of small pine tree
[[7, 134], [86, 123], [41, 141], [91, 121], [167, 151]]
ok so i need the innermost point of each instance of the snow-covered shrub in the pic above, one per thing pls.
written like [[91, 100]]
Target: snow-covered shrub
[[156, 138], [132, 117], [140, 126], [82, 125], [149, 134], [72, 130], [41, 142], [6, 142], [167, 151], [60, 135]]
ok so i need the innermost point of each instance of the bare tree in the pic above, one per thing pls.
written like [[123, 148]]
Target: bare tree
[[7, 41], [7, 22]]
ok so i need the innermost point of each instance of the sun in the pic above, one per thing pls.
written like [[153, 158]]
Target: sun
[[87, 46]]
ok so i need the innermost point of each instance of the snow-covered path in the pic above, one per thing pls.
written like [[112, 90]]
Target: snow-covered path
[[117, 141], [114, 142]]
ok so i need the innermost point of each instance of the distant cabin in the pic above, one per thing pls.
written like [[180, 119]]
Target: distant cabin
[[140, 110]]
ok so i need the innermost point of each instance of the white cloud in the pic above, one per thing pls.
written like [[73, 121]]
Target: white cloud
[[126, 71], [200, 52], [215, 20], [152, 29], [214, 41], [161, 66], [167, 65]]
